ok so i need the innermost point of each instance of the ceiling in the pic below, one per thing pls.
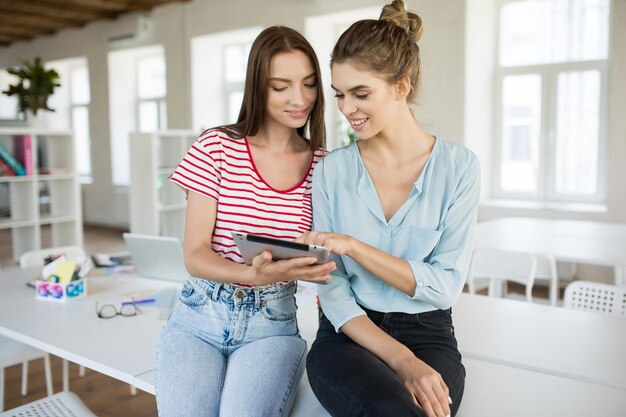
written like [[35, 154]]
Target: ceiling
[[22, 20]]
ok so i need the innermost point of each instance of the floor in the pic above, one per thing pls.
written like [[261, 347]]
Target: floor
[[105, 396]]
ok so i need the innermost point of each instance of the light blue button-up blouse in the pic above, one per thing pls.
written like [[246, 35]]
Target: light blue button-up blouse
[[432, 231]]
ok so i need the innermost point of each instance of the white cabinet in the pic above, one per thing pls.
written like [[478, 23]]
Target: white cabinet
[[157, 206], [42, 208]]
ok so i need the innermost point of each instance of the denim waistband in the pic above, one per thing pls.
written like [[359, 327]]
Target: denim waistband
[[239, 295]]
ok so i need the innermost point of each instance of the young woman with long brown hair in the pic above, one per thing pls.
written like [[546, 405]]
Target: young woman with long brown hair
[[231, 346]]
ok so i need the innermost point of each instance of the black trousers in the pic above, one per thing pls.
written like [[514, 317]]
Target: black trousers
[[349, 380]]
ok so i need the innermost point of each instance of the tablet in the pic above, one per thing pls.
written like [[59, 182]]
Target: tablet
[[251, 245]]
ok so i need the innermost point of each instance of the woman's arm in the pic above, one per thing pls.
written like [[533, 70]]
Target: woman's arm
[[394, 271], [202, 262], [421, 380]]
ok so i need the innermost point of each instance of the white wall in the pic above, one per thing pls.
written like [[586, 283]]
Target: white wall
[[440, 104], [454, 102]]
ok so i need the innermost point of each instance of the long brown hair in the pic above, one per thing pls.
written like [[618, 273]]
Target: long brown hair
[[387, 46], [270, 42]]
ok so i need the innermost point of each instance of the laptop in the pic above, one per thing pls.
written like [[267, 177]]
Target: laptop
[[157, 257]]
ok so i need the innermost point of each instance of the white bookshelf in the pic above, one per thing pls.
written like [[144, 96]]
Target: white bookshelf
[[157, 206], [42, 209]]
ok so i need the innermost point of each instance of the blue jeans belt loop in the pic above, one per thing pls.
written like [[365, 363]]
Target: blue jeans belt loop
[[216, 291], [257, 298]]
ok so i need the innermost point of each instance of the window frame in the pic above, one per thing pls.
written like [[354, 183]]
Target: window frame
[[549, 72], [83, 178], [160, 101], [230, 87]]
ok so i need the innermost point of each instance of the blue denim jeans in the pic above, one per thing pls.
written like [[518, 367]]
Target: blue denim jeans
[[230, 351]]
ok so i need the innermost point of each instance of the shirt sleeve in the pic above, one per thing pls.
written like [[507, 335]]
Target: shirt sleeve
[[440, 279], [200, 169], [336, 297]]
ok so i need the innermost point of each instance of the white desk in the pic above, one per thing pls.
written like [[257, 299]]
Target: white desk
[[500, 391], [121, 347], [577, 241], [570, 344], [500, 339]]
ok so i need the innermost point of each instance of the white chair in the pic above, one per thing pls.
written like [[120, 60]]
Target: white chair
[[13, 353], [547, 273], [62, 404], [36, 258], [596, 297], [496, 267]]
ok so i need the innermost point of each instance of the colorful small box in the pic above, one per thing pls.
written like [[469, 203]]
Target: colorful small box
[[61, 291]]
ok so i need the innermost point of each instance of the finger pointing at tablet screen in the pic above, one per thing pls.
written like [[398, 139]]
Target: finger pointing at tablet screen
[[334, 242]]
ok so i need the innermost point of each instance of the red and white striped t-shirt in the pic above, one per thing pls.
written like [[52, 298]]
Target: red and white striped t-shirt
[[222, 168]]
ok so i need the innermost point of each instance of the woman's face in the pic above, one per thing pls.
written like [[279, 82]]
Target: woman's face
[[292, 89], [366, 100]]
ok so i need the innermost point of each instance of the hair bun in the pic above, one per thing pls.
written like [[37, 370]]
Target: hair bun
[[410, 22]]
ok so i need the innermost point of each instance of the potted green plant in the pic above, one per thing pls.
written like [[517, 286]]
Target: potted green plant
[[34, 86]]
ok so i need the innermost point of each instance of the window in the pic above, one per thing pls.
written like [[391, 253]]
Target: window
[[151, 87], [79, 116], [219, 63], [137, 94], [551, 92], [71, 102], [235, 63], [8, 104]]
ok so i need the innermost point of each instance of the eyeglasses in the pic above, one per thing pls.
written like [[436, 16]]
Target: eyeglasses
[[108, 311]]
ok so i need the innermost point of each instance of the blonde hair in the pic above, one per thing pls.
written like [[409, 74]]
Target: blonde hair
[[387, 46]]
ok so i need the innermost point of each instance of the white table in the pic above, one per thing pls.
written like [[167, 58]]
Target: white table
[[121, 347], [569, 344], [576, 241], [493, 390], [505, 343]]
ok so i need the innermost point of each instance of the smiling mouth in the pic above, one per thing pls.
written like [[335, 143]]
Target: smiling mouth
[[358, 122], [297, 113]]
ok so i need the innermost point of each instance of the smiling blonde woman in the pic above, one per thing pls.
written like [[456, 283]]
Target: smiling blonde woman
[[397, 211]]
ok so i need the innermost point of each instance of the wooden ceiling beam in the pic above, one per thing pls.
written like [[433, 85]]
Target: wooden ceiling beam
[[26, 19], [7, 40], [35, 30], [16, 35], [15, 31], [46, 22], [55, 10], [103, 5]]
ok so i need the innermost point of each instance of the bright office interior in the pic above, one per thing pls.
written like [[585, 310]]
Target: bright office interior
[[532, 87], [536, 88]]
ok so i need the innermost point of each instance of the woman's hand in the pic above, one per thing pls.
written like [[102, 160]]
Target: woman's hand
[[426, 385], [265, 271], [336, 243]]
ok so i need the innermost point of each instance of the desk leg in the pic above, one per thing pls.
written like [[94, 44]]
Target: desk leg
[[48, 373], [620, 275], [66, 375]]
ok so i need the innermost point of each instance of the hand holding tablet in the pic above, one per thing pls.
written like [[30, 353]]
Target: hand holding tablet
[[251, 245]]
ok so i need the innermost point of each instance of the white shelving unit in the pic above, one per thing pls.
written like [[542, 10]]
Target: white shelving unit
[[157, 206], [43, 209]]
